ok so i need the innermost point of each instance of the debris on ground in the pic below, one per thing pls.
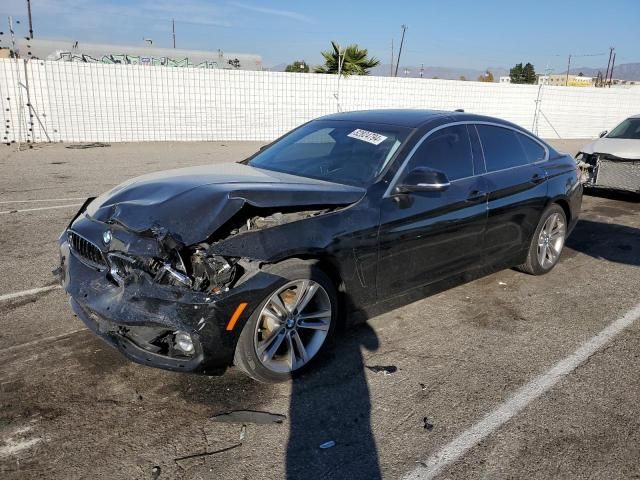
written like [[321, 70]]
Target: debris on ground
[[243, 432], [205, 453], [82, 146], [423, 387], [427, 424], [155, 473], [503, 284], [387, 369], [328, 444], [249, 416]]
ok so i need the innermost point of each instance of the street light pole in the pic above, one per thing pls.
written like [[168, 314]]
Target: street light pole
[[173, 29]]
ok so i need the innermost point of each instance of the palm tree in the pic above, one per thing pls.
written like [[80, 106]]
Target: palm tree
[[354, 60]]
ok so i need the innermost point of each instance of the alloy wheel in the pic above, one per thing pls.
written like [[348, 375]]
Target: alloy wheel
[[292, 326], [551, 240]]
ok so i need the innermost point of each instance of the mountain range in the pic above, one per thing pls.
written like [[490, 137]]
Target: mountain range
[[624, 71]]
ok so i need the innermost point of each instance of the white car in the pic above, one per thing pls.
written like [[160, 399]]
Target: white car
[[613, 161]]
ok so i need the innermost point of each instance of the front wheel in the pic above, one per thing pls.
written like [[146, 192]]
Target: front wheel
[[547, 242], [291, 326]]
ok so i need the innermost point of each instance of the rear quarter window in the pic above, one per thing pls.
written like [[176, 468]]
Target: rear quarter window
[[532, 149]]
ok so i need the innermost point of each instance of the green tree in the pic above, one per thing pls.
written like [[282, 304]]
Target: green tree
[[462, 78], [516, 74], [355, 60], [487, 76], [520, 74], [299, 66], [529, 74]]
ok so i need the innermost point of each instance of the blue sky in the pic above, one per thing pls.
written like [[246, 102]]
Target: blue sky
[[463, 33]]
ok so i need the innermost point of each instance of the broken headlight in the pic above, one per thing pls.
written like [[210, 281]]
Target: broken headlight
[[171, 272], [202, 273]]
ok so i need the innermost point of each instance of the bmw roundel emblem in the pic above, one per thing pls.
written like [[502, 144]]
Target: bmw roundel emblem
[[106, 237]]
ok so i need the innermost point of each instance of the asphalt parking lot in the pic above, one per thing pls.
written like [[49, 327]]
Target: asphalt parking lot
[[71, 407]]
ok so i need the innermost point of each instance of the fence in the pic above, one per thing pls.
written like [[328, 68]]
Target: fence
[[85, 102]]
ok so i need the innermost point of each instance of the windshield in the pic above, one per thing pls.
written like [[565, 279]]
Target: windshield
[[629, 129], [353, 153]]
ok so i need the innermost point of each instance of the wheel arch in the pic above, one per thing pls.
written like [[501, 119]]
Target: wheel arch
[[330, 266], [564, 204]]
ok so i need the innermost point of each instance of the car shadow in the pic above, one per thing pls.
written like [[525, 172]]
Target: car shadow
[[331, 407], [608, 241]]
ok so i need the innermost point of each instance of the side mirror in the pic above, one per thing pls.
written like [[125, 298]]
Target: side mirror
[[603, 133], [423, 179]]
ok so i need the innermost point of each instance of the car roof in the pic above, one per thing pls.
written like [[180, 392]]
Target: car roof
[[412, 118], [399, 117]]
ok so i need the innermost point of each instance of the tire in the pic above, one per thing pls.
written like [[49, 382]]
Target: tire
[[270, 331], [542, 237]]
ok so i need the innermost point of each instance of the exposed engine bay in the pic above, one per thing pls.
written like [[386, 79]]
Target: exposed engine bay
[[195, 267]]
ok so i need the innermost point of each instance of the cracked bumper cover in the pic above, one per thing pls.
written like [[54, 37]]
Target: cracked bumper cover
[[109, 310]]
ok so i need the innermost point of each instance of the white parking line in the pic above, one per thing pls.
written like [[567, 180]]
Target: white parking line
[[4, 202], [40, 208], [52, 338], [455, 449], [26, 293]]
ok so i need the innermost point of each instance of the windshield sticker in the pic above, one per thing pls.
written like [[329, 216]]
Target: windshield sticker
[[367, 136]]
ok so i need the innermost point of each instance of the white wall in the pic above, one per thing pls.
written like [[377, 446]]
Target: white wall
[[78, 102]]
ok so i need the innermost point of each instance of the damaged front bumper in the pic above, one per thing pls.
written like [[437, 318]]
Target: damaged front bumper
[[164, 326], [608, 171]]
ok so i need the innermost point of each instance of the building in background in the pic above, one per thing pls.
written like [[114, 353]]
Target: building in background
[[616, 82], [76, 51], [506, 79], [561, 80]]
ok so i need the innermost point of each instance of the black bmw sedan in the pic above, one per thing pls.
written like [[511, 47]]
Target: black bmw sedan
[[256, 263]]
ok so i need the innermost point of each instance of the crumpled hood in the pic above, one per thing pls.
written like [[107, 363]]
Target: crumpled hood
[[192, 203], [618, 147]]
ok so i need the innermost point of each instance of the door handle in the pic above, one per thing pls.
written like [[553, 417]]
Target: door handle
[[537, 178], [476, 195]]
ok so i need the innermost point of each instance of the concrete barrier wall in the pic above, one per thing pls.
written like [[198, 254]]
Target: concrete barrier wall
[[83, 102]]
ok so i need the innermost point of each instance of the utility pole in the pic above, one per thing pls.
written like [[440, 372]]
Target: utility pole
[[422, 70], [30, 23], [391, 70], [606, 75], [613, 62], [173, 29], [404, 29], [566, 83]]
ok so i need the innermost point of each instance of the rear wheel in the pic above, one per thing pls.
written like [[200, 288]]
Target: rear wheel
[[291, 326], [547, 242]]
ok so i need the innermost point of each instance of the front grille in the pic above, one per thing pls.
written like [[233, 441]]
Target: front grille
[[619, 175], [86, 250]]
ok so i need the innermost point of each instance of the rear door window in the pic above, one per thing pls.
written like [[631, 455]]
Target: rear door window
[[502, 148]]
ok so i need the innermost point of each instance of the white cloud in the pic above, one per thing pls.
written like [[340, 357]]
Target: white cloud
[[273, 11]]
